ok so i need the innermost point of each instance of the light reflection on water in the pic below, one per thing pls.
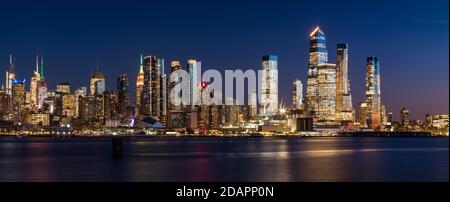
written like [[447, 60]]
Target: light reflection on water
[[225, 159]]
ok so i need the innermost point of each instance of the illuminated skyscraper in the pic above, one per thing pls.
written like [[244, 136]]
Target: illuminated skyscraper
[[269, 86], [79, 93], [253, 104], [344, 107], [195, 70], [175, 65], [151, 93], [42, 86], [139, 85], [362, 108], [123, 93], [34, 89], [10, 75], [18, 96], [373, 93], [317, 55], [97, 83], [68, 105], [326, 86], [297, 94]]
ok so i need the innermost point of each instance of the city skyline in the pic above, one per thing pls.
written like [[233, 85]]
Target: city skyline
[[415, 91]]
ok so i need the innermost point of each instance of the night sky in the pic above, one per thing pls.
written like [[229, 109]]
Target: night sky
[[410, 37]]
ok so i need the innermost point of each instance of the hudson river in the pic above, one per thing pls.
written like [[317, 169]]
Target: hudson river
[[225, 159]]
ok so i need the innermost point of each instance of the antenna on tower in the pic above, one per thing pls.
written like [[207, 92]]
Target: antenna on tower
[[37, 63]]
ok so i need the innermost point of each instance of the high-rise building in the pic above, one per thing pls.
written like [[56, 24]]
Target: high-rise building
[[195, 70], [373, 93], [175, 65], [110, 101], [318, 54], [10, 75], [123, 92], [404, 117], [97, 84], [18, 96], [63, 88], [68, 105], [42, 86], [5, 103], [34, 89], [92, 110], [297, 94], [139, 85], [151, 93], [326, 87], [362, 108], [42, 92], [79, 93], [163, 93], [253, 104], [269, 86], [344, 107]]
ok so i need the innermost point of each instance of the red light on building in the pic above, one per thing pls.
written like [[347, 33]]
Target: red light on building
[[202, 84]]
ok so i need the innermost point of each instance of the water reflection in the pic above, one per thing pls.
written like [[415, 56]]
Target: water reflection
[[226, 159]]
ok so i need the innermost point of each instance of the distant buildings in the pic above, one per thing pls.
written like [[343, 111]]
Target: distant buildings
[[327, 105]]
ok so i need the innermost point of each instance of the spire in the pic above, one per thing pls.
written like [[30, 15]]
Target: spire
[[42, 67], [141, 65], [12, 60], [37, 63], [315, 31]]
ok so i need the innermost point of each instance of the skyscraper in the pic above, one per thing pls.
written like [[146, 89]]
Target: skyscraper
[[18, 96], [195, 70], [297, 94], [326, 87], [344, 107], [10, 75], [151, 93], [317, 55], [42, 86], [79, 94], [123, 92], [34, 90], [175, 65], [139, 85], [373, 93], [97, 83], [269, 86]]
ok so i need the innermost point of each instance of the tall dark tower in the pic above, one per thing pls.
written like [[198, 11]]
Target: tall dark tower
[[123, 94]]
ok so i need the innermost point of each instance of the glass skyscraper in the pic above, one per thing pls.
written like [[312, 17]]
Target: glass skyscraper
[[373, 93], [269, 86], [317, 55]]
